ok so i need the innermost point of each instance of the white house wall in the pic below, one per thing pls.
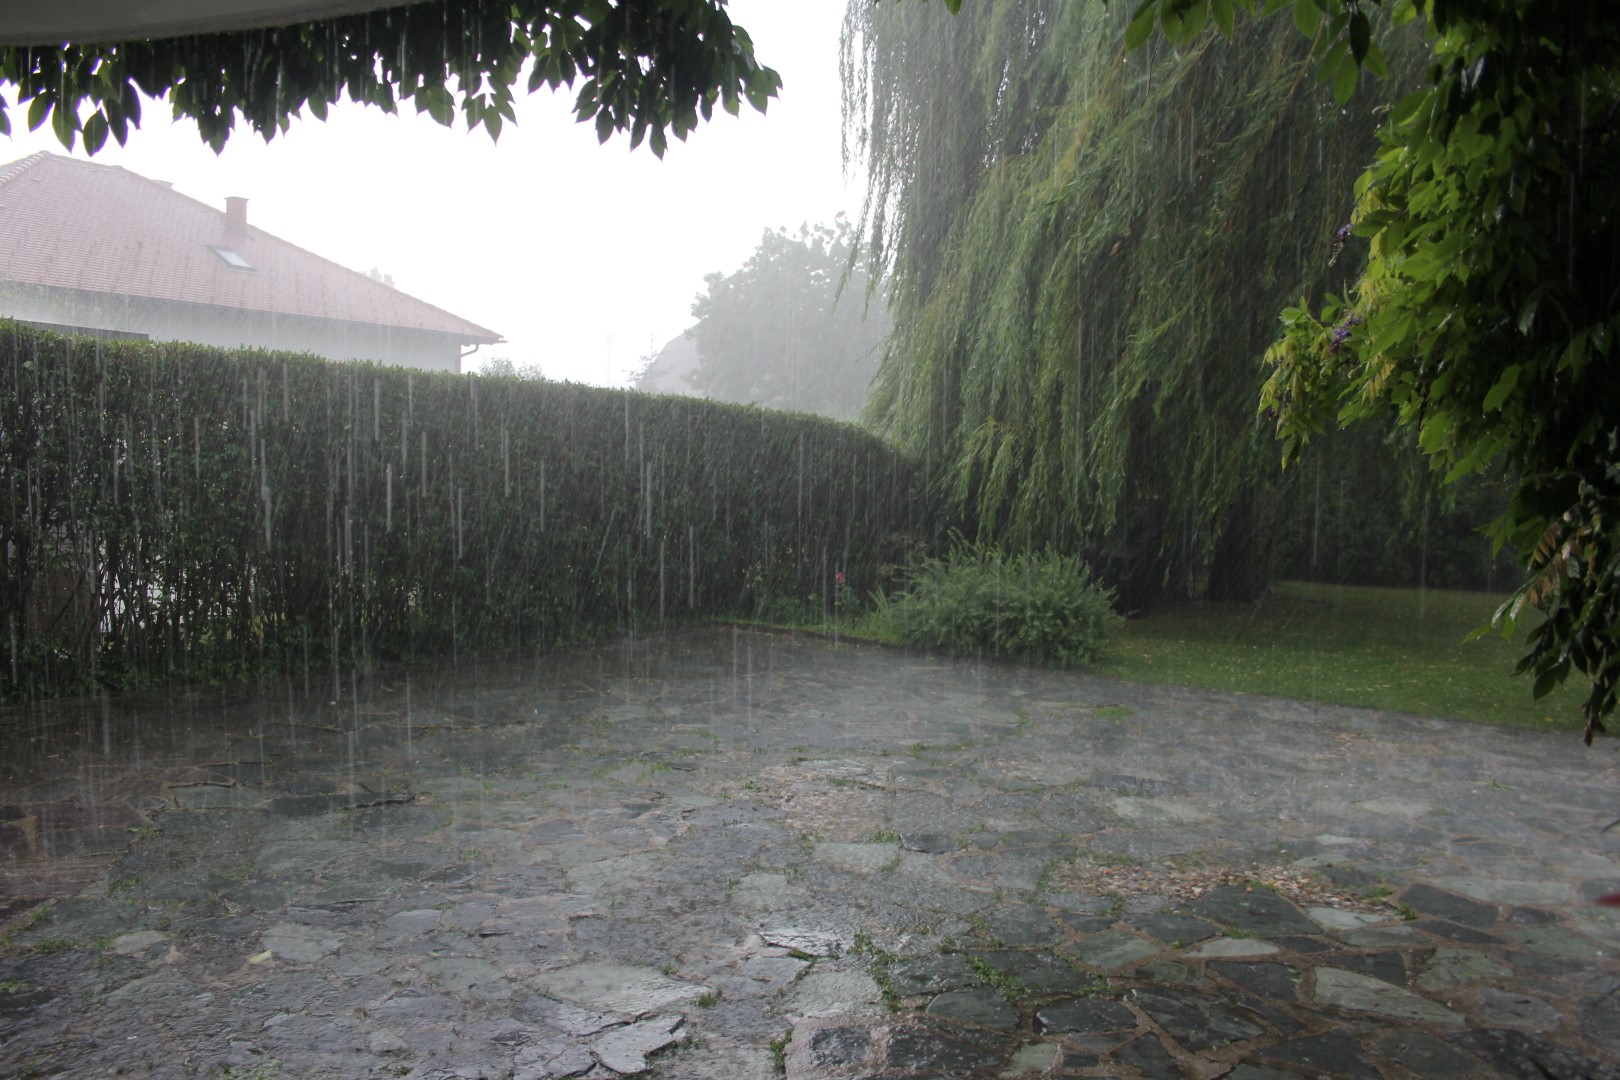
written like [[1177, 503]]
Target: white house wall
[[231, 328]]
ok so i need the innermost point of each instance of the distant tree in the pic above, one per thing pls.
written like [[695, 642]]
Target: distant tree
[[781, 332], [648, 67], [504, 367]]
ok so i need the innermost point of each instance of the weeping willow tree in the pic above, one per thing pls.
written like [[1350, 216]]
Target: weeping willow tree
[[1088, 248]]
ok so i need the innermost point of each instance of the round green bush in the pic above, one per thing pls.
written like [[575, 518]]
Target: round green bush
[[1044, 607]]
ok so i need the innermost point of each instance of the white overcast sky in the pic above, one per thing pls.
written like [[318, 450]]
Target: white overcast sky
[[585, 257]]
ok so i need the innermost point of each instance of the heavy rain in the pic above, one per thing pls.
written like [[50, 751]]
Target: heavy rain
[[1066, 540]]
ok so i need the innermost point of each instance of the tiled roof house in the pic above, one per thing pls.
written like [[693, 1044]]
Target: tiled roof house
[[99, 249]]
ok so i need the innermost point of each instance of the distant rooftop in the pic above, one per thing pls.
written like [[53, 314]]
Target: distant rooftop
[[75, 224]]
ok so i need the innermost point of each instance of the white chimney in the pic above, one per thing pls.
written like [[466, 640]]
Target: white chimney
[[236, 212]]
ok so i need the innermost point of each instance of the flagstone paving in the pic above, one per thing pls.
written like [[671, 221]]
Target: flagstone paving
[[726, 854]]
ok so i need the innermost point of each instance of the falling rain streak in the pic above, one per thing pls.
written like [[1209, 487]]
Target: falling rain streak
[[288, 542]]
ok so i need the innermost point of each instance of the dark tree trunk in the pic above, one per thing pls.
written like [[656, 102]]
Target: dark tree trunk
[[1238, 570]]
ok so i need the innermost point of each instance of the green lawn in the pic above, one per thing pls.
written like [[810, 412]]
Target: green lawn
[[1398, 649]]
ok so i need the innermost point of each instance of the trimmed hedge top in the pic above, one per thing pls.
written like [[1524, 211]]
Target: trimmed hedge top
[[172, 510]]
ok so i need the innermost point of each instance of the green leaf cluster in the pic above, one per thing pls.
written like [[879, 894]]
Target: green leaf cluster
[[1044, 607], [1486, 318], [650, 68], [173, 511]]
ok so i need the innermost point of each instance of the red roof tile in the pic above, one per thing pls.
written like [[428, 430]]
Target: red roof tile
[[101, 228]]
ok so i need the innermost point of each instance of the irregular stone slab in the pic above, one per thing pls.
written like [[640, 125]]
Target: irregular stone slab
[[1270, 1011], [624, 873], [800, 939], [1032, 1059], [1334, 1052], [1270, 980], [1022, 926], [1112, 950], [214, 797], [1451, 968], [844, 769], [1600, 1021], [932, 1051], [1362, 993], [625, 1050], [350, 963], [1038, 971], [572, 1020], [1247, 1071], [1520, 1053], [933, 974], [386, 1042], [1132, 784], [1259, 910], [299, 943], [1306, 946], [761, 891], [1158, 811], [1552, 941], [837, 1047], [552, 1059], [981, 1006], [1338, 919], [1506, 1008], [468, 978], [299, 856], [1149, 1056], [1226, 947], [1087, 924], [165, 994], [1085, 1016], [834, 993], [773, 971], [861, 858], [1426, 1055], [1604, 928], [1453, 932], [1450, 906], [1532, 916], [407, 925], [1171, 971], [1396, 807], [293, 806], [1378, 937], [1176, 930], [619, 988], [1503, 891], [137, 943], [1079, 903], [1196, 1021], [1389, 966], [929, 843]]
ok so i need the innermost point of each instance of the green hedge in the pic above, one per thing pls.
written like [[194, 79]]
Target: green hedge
[[176, 511]]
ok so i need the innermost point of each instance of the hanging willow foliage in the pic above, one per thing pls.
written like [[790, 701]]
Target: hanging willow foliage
[[1088, 249]]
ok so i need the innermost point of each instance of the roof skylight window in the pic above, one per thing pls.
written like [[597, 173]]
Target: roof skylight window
[[232, 259]]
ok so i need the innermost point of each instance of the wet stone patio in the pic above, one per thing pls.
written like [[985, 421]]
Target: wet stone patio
[[719, 853]]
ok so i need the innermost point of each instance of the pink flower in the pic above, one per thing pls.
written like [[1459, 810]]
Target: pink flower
[[840, 577]]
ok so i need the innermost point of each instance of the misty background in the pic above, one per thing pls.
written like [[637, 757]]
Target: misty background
[[585, 257]]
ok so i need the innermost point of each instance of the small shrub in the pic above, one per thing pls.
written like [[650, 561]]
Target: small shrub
[[1042, 607]]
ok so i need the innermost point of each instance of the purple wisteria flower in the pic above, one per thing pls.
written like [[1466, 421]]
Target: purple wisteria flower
[[1338, 243], [1341, 331]]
